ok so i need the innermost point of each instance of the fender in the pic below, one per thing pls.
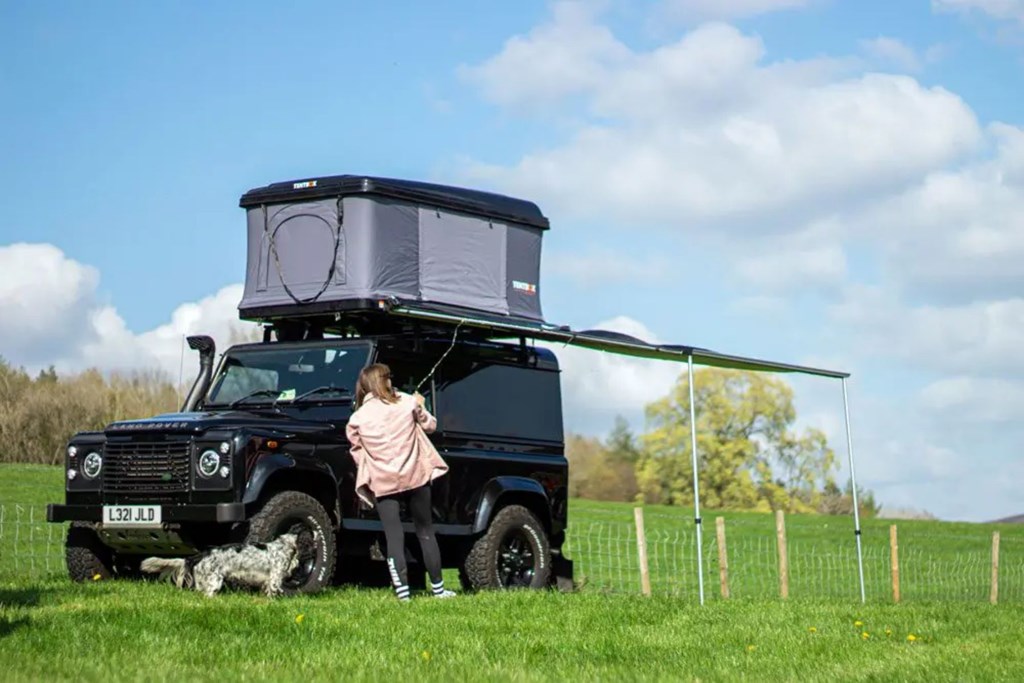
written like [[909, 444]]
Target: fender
[[495, 488], [269, 465]]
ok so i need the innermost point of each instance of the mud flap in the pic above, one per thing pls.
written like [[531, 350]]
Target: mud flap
[[561, 572]]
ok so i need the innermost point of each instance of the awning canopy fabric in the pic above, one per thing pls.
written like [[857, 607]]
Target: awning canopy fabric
[[603, 340]]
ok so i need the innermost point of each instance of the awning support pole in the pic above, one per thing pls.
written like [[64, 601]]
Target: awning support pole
[[853, 484], [696, 480]]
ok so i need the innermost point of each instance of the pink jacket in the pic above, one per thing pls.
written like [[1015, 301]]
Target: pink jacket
[[391, 448]]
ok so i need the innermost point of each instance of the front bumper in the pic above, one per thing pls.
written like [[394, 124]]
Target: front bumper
[[220, 512]]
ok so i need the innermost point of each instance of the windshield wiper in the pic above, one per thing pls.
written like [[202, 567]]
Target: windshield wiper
[[319, 390], [256, 394]]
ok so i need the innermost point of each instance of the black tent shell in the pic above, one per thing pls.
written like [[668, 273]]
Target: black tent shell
[[462, 199]]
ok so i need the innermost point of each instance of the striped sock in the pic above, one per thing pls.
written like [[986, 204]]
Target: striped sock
[[437, 588], [401, 588]]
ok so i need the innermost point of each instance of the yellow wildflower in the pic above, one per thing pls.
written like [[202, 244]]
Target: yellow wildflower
[[96, 577], [865, 635], [425, 655], [888, 632], [299, 618], [858, 623], [812, 629], [751, 648], [911, 637]]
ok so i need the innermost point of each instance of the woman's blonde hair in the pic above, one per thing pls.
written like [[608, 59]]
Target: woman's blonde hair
[[375, 380]]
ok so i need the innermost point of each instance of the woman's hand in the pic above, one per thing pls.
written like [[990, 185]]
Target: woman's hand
[[420, 401]]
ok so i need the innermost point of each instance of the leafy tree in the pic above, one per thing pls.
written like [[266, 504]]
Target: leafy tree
[[749, 455], [621, 443], [603, 470]]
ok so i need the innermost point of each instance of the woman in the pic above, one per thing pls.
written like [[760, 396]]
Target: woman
[[395, 462]]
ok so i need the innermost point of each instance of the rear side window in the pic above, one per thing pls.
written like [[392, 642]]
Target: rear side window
[[507, 401]]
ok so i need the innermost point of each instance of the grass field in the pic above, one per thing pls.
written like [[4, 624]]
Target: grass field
[[51, 629], [116, 631]]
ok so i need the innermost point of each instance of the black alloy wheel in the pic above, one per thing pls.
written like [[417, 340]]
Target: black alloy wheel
[[515, 560]]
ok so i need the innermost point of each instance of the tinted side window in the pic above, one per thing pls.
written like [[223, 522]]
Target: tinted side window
[[500, 400]]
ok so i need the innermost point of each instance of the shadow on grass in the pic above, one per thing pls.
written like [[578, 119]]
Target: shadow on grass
[[9, 626], [21, 597], [17, 598]]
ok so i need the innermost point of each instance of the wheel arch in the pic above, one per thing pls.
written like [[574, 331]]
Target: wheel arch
[[501, 492], [281, 472]]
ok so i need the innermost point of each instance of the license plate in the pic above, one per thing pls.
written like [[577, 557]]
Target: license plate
[[131, 515]]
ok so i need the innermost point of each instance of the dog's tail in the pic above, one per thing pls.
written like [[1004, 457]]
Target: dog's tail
[[173, 568]]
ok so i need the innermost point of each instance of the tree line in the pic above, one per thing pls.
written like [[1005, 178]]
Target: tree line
[[749, 454], [39, 414]]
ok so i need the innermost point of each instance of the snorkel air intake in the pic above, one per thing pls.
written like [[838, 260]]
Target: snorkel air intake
[[207, 348]]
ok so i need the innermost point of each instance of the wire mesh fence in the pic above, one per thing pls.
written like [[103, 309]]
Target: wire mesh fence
[[933, 564]]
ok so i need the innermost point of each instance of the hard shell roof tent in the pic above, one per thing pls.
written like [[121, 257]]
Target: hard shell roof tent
[[342, 243]]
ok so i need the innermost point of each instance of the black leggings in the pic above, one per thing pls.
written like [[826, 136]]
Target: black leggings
[[419, 507]]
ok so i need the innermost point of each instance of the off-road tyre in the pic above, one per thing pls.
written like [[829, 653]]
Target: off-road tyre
[[86, 556], [296, 512], [484, 563]]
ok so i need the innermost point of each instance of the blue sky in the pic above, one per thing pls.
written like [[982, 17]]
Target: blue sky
[[809, 180]]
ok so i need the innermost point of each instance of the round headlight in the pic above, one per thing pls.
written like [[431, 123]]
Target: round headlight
[[225, 448], [209, 461], [92, 465]]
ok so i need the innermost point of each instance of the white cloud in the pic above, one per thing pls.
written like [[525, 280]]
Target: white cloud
[[45, 300], [702, 130], [891, 51], [958, 234], [566, 56], [983, 337], [728, 9], [52, 315], [976, 400], [1012, 10], [813, 258], [598, 266]]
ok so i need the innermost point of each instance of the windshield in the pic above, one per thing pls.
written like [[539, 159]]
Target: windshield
[[282, 374]]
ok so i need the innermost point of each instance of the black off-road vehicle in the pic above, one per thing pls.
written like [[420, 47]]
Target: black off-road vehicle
[[260, 449]]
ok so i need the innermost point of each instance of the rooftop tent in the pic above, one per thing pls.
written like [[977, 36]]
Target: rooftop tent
[[341, 242]]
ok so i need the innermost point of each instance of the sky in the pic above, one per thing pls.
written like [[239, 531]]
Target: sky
[[831, 182]]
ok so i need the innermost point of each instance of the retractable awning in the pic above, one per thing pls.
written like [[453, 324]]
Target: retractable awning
[[603, 340]]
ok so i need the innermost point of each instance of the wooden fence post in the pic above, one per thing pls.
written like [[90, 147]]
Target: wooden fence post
[[641, 549], [894, 553], [723, 557], [994, 597], [780, 534]]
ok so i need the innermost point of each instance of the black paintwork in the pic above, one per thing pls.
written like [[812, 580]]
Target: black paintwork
[[477, 202], [525, 464]]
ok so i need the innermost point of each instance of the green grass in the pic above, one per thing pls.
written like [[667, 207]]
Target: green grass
[[51, 629], [119, 631]]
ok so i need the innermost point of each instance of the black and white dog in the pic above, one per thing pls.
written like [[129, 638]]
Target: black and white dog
[[261, 565]]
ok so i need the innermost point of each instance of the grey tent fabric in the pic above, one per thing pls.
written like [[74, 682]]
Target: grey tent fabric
[[331, 250]]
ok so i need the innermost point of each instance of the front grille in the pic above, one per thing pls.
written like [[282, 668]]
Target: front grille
[[149, 467]]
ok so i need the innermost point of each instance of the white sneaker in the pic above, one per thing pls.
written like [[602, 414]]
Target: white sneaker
[[445, 594]]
